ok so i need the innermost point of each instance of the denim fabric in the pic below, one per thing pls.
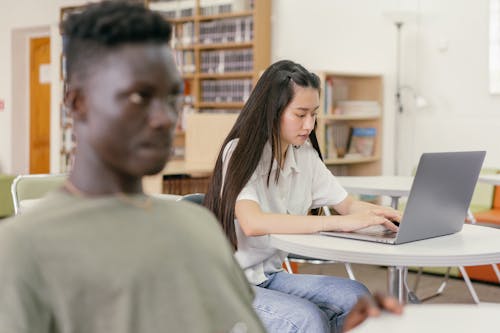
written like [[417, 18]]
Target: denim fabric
[[305, 303]]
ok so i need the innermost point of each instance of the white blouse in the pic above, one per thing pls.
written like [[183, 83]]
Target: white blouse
[[304, 183]]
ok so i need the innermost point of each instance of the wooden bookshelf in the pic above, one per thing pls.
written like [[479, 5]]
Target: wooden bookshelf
[[192, 38], [350, 100], [187, 44]]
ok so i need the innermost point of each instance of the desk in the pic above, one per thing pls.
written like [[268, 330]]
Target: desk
[[456, 318], [391, 186], [474, 245], [490, 179]]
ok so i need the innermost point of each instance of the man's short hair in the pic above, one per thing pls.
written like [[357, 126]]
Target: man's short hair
[[102, 27]]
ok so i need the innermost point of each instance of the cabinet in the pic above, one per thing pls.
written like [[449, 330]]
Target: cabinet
[[349, 123]]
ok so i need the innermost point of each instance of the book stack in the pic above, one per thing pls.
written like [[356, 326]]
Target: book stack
[[361, 142], [358, 108]]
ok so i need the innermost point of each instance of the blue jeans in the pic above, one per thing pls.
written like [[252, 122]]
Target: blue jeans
[[305, 303]]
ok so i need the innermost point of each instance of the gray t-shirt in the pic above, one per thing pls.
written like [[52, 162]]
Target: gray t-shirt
[[104, 265]]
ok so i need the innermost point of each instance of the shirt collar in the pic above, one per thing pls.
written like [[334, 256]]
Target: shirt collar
[[290, 161]]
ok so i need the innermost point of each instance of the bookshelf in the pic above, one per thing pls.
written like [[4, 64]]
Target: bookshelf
[[349, 124], [221, 47]]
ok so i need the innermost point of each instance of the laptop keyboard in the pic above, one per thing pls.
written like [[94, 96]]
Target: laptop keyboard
[[377, 231]]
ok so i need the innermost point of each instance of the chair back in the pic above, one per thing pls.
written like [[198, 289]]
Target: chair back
[[196, 198], [29, 187], [496, 197]]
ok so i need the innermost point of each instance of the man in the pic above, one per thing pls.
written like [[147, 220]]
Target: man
[[98, 255]]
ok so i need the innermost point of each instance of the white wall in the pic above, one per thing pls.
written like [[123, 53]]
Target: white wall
[[26, 15], [445, 59]]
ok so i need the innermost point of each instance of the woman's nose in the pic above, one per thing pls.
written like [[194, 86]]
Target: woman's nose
[[309, 122]]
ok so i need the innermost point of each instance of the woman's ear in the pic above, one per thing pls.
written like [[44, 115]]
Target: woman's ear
[[75, 103]]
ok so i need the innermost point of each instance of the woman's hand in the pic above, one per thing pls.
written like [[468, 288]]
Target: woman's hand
[[359, 214], [367, 218]]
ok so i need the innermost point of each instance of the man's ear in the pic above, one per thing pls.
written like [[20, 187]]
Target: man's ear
[[74, 101]]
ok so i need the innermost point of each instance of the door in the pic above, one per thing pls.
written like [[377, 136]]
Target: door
[[40, 105]]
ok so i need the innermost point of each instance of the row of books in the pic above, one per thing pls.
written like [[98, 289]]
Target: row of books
[[222, 61], [358, 108], [185, 61], [173, 8], [185, 8], [337, 100], [234, 30], [183, 34], [343, 141], [226, 91], [211, 7]]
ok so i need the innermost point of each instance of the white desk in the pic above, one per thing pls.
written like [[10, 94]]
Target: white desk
[[474, 245], [456, 318], [490, 179], [391, 186]]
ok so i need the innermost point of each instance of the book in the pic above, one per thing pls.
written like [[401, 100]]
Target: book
[[358, 108], [361, 142]]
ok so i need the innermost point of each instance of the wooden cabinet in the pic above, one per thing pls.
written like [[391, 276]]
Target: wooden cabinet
[[349, 124]]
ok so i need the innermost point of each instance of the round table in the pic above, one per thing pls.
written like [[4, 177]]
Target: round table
[[474, 245]]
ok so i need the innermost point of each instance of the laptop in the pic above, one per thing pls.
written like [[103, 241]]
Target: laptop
[[439, 198]]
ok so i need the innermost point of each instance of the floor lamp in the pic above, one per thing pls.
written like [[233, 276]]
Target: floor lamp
[[399, 102]]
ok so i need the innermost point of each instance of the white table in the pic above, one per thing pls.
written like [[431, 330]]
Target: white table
[[391, 186], [474, 245], [456, 318], [490, 179]]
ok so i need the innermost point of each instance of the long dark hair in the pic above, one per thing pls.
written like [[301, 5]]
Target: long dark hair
[[257, 124]]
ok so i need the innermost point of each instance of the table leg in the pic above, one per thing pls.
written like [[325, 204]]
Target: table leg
[[497, 272], [396, 277], [394, 202], [471, 217]]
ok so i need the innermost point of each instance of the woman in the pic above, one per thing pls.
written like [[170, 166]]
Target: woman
[[268, 175]]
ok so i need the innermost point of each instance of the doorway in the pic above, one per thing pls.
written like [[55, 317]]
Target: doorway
[[39, 143]]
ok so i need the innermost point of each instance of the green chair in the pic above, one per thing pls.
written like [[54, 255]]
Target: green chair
[[6, 206], [27, 189]]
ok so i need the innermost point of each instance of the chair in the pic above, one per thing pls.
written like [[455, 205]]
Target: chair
[[27, 189], [315, 261], [196, 198], [487, 218], [164, 196]]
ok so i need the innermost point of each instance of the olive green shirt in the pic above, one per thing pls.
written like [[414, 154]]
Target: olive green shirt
[[106, 265]]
